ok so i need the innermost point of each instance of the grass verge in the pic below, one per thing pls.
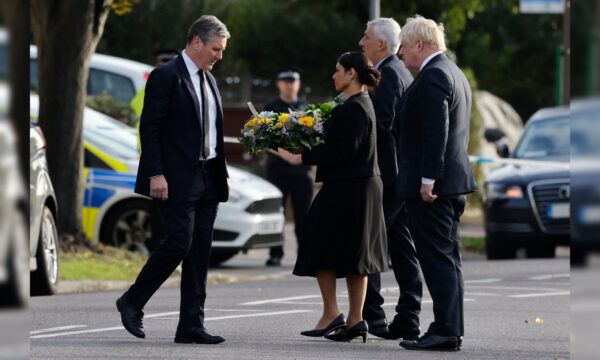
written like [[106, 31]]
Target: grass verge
[[473, 244], [111, 264]]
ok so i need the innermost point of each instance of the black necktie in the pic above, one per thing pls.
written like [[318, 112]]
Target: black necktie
[[205, 117]]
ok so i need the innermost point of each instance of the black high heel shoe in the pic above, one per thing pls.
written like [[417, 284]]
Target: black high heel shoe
[[339, 322], [360, 329]]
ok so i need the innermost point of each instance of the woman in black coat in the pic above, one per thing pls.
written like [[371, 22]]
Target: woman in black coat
[[345, 230]]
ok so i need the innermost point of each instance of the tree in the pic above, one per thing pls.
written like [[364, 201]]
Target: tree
[[67, 33]]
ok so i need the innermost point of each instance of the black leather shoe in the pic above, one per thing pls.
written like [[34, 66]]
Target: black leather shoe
[[131, 317], [399, 332], [198, 336], [337, 323], [378, 328], [274, 261], [344, 334], [432, 342]]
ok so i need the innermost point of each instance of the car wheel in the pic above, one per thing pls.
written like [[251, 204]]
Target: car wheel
[[15, 293], [540, 251], [219, 256], [44, 281], [128, 226], [497, 248]]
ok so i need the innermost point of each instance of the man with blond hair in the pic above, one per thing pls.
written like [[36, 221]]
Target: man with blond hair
[[435, 174], [380, 43]]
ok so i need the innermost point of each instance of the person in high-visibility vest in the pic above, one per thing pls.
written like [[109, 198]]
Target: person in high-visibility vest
[[137, 103]]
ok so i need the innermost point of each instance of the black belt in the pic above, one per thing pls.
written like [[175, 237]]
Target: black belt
[[202, 164]]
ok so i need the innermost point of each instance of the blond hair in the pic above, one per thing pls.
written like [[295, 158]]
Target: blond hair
[[428, 31]]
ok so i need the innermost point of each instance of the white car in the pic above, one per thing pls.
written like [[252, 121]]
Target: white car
[[115, 215], [120, 78]]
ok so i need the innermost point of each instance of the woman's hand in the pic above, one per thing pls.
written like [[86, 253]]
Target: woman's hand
[[293, 159]]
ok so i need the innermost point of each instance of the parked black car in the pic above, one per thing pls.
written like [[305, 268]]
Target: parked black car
[[528, 205]]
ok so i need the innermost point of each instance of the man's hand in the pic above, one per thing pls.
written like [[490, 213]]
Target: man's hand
[[293, 159], [159, 188], [427, 193]]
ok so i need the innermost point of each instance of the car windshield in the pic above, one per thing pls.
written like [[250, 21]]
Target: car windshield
[[545, 138]]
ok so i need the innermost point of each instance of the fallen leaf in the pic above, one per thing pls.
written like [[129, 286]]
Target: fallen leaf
[[538, 320], [543, 333], [526, 321]]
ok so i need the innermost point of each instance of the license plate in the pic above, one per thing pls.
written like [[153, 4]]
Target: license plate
[[589, 215], [558, 211], [269, 227]]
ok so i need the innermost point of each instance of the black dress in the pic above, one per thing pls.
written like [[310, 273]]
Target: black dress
[[345, 229]]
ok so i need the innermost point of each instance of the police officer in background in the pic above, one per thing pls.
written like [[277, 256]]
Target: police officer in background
[[292, 180]]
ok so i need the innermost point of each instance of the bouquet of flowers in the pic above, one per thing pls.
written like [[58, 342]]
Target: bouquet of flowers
[[269, 130]]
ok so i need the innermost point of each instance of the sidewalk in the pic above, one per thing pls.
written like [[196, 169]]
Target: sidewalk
[[250, 266]]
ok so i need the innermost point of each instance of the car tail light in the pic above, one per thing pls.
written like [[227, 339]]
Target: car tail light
[[146, 76], [43, 137]]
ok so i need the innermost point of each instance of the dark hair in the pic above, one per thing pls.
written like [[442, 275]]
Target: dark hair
[[357, 61]]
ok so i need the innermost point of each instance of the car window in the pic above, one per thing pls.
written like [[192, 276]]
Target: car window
[[3, 62], [90, 160], [545, 138], [119, 87], [585, 132], [33, 75]]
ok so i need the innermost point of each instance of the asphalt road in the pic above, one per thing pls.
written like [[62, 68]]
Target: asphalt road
[[262, 319]]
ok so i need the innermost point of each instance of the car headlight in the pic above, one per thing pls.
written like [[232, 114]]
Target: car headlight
[[502, 191]]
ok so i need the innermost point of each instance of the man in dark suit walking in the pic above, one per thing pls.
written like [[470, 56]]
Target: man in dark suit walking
[[435, 173], [182, 167], [380, 44]]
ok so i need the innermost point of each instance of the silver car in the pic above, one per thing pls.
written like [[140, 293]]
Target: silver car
[[43, 236]]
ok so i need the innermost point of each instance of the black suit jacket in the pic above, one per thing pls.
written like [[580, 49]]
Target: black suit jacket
[[170, 132], [350, 148], [395, 79], [433, 131]]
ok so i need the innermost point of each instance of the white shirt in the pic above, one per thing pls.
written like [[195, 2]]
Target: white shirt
[[428, 181], [212, 104], [428, 59]]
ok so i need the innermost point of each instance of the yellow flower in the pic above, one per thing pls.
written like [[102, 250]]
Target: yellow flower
[[278, 125], [262, 122], [307, 121], [284, 117], [251, 131]]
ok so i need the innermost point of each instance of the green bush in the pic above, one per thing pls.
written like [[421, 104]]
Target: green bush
[[108, 105]]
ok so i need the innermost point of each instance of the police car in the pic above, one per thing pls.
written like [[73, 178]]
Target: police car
[[113, 214]]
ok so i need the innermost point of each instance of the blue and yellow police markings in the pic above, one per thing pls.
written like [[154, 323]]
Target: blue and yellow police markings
[[100, 186]]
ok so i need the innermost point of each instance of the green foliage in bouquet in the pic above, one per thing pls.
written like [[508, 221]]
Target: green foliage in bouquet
[[270, 130]]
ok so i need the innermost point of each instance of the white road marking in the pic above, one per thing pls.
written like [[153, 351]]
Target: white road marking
[[59, 328], [481, 294], [482, 281], [559, 293], [66, 333], [550, 276], [77, 332], [530, 288], [261, 302]]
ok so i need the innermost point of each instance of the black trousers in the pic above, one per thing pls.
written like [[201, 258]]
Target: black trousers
[[298, 184], [406, 270], [188, 229], [434, 228]]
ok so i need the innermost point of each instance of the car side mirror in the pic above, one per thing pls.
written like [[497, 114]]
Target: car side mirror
[[493, 135], [502, 149]]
